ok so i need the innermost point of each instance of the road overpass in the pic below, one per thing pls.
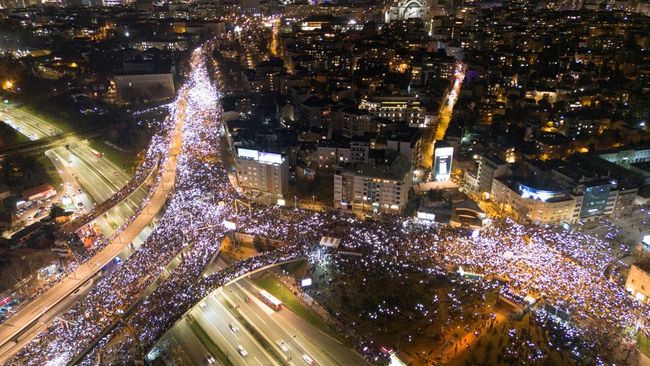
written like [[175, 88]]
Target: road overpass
[[41, 145], [14, 331]]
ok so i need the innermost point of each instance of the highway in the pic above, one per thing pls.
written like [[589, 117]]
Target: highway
[[298, 335], [42, 321], [291, 336], [30, 313], [90, 173], [28, 125], [215, 319], [211, 314], [38, 146], [97, 176], [193, 352]]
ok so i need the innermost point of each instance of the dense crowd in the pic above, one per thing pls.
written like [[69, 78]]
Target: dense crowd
[[143, 172], [566, 269], [115, 292]]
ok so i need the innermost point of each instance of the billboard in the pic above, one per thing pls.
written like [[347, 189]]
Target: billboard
[[594, 201], [270, 158], [261, 156], [247, 154], [425, 216], [540, 194], [442, 157]]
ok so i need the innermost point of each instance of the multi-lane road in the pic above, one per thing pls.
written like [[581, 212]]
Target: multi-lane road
[[213, 316], [291, 337], [81, 169], [224, 316], [32, 127], [27, 321]]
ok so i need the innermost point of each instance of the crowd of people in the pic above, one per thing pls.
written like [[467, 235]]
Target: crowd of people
[[566, 269], [114, 293]]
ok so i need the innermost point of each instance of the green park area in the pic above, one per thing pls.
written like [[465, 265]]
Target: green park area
[[644, 344], [53, 176], [429, 319], [123, 159], [9, 136], [292, 302], [50, 115]]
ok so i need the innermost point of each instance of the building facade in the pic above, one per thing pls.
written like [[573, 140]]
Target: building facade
[[488, 169], [149, 87], [365, 187], [638, 281], [397, 108], [262, 172]]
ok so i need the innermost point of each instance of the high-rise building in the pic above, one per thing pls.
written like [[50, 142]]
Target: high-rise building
[[368, 187], [488, 169], [262, 171]]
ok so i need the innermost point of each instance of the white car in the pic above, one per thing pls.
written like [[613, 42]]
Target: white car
[[233, 328], [210, 360], [202, 304], [283, 346], [308, 359], [242, 351]]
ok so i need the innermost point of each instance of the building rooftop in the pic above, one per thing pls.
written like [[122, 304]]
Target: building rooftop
[[643, 265], [396, 169], [37, 190]]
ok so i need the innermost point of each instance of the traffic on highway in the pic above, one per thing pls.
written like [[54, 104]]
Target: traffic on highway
[[117, 320]]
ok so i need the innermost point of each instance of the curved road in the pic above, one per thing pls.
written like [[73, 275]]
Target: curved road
[[29, 315]]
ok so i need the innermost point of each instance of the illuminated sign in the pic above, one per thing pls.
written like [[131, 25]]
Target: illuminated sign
[[262, 157], [536, 194], [595, 200], [442, 163], [270, 158], [248, 154], [646, 239], [425, 216], [540, 194]]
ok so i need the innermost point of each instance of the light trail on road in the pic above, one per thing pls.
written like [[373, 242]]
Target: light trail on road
[[565, 268], [437, 132]]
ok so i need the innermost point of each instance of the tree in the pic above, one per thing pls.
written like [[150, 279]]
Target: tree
[[24, 267], [260, 244], [8, 136], [13, 273], [22, 172]]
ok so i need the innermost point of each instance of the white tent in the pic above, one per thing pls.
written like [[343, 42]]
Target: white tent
[[327, 241]]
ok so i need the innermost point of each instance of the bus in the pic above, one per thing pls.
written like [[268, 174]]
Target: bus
[[96, 153], [270, 300]]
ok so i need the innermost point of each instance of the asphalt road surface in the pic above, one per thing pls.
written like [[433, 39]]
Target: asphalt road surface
[[298, 335], [81, 170], [21, 325]]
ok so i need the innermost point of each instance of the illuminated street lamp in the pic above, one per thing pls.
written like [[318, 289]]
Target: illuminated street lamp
[[7, 85]]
